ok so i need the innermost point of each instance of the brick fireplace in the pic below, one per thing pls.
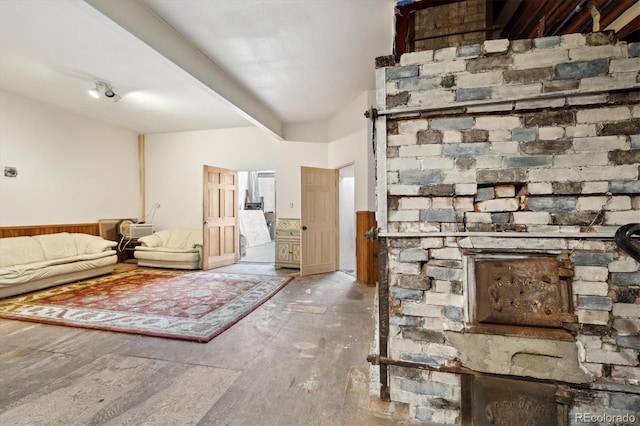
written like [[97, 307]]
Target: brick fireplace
[[505, 169]]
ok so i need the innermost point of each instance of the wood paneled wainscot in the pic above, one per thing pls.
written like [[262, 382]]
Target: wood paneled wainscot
[[31, 230], [287, 243]]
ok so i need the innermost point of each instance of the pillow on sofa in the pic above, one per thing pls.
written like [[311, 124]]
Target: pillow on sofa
[[57, 246], [91, 244], [19, 250]]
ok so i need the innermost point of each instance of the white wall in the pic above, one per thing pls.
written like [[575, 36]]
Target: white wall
[[71, 169], [350, 133], [174, 163]]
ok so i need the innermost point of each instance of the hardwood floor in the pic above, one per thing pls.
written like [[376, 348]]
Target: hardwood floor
[[299, 359]]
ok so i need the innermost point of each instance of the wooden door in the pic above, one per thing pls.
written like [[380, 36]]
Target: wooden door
[[220, 206], [366, 248], [319, 221]]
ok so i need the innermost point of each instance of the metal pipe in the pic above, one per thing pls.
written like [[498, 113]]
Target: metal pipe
[[383, 317]]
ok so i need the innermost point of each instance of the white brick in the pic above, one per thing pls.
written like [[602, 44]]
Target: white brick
[[627, 265], [445, 54], [618, 203], [601, 144], [457, 176], [415, 203], [599, 115], [399, 345], [623, 357], [403, 163], [463, 203], [573, 40], [550, 133], [404, 139], [404, 215], [488, 162], [624, 65], [591, 203], [621, 217], [626, 310], [538, 188], [499, 122], [611, 82], [636, 111], [431, 242], [501, 135], [426, 150], [588, 53], [439, 163], [505, 147], [626, 172], [482, 79], [404, 189], [413, 58], [392, 178], [593, 317], [412, 126], [590, 342], [554, 175], [581, 130], [540, 59], [499, 205], [405, 268], [495, 46], [590, 288], [536, 218], [517, 91], [476, 217], [451, 136], [441, 203], [445, 253], [438, 97], [505, 191], [416, 309], [466, 188], [591, 273], [445, 67], [595, 187], [573, 160], [440, 299]]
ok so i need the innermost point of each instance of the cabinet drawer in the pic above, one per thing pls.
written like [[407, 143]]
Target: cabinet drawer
[[287, 233]]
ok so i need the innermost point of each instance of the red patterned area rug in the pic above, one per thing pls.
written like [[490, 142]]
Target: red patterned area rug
[[194, 306]]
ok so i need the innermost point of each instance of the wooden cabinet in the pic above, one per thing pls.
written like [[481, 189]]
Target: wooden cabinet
[[287, 243]]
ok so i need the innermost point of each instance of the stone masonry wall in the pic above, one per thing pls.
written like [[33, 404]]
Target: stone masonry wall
[[535, 138]]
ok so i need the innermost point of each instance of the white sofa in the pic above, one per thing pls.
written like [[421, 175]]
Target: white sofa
[[176, 248], [33, 263]]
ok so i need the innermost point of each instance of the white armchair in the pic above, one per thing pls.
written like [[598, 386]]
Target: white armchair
[[177, 248]]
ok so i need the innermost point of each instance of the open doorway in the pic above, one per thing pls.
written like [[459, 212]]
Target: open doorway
[[257, 216], [346, 219]]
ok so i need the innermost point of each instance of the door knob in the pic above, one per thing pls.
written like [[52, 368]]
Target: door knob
[[304, 228]]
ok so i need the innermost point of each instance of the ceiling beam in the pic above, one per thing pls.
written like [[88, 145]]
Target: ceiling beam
[[138, 19]]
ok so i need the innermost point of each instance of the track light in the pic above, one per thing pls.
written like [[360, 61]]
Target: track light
[[103, 89]]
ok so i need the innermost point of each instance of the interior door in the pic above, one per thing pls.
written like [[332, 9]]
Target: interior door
[[319, 220], [220, 230]]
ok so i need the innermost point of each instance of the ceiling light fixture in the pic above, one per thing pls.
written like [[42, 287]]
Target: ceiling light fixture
[[103, 89]]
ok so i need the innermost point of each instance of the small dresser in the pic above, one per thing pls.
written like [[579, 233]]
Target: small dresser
[[287, 243]]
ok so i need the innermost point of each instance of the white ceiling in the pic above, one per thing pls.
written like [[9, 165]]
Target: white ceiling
[[195, 64]]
